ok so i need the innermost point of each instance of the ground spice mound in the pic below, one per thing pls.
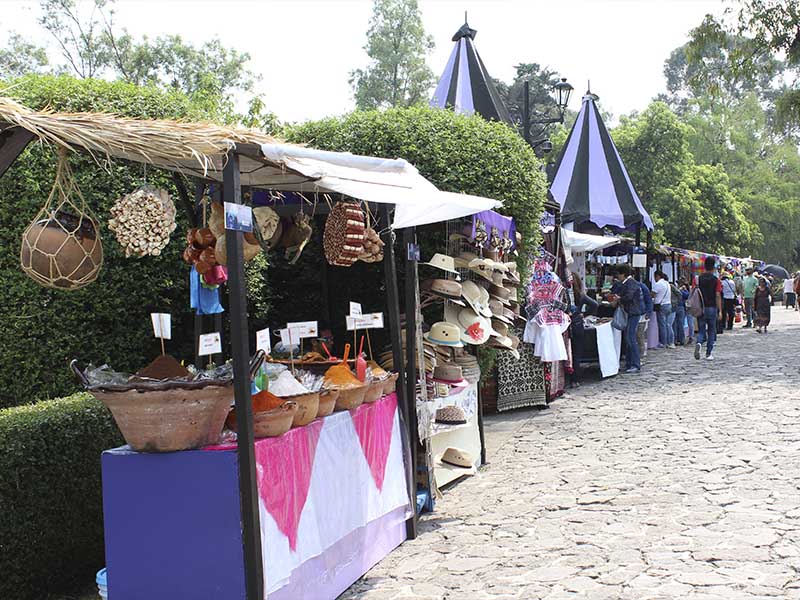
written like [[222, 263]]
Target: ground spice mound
[[164, 367]]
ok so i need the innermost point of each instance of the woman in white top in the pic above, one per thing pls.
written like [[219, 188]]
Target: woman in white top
[[789, 297], [728, 301], [662, 304]]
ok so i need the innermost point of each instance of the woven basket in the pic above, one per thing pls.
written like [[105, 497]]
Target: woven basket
[[169, 420], [374, 391], [351, 398], [307, 408], [327, 402]]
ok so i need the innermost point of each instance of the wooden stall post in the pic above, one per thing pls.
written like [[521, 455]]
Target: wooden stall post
[[411, 310], [393, 314], [240, 350]]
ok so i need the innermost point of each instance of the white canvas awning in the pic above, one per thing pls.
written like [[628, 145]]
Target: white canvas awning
[[583, 242], [417, 200]]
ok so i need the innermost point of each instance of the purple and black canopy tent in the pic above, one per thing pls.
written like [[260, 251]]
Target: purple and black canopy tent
[[465, 85], [591, 185]]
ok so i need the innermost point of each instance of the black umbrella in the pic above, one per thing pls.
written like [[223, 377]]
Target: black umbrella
[[776, 270]]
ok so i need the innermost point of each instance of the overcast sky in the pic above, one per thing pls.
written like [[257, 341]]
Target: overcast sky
[[304, 49]]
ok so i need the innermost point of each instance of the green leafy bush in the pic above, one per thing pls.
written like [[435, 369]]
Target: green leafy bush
[[108, 320], [51, 513], [458, 153]]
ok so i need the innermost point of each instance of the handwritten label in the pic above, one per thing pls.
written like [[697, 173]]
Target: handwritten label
[[303, 329], [162, 325], [263, 342], [368, 321], [355, 309], [210, 343], [286, 338]]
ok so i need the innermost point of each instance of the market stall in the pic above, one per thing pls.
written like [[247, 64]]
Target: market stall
[[306, 512]]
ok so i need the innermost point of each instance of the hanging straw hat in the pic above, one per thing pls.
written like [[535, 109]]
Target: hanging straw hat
[[445, 334], [500, 293], [497, 311], [475, 329], [471, 292], [443, 262], [451, 415], [500, 328], [483, 267], [443, 288], [465, 259], [451, 374]]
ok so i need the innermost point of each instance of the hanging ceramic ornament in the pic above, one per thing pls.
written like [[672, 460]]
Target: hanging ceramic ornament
[[61, 248]]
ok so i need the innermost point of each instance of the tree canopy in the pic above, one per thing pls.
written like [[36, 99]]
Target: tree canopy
[[397, 46]]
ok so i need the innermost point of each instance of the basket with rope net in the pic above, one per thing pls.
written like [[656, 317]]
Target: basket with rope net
[[61, 248]]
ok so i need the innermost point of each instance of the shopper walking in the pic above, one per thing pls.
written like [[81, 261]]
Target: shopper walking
[[788, 293], [797, 290], [728, 301], [763, 305], [631, 300], [662, 303], [644, 321], [749, 285], [583, 305], [711, 290]]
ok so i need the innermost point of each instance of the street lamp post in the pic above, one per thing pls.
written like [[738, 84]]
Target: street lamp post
[[563, 90]]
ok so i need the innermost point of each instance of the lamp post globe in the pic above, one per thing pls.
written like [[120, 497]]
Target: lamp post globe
[[563, 92]]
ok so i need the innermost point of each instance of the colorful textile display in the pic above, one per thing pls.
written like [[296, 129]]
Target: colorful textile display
[[520, 382], [494, 231], [203, 298]]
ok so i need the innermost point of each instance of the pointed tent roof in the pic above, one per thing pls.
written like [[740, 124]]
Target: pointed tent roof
[[465, 85], [591, 183]]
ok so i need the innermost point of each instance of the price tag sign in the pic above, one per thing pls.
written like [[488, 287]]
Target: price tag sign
[[210, 343], [355, 309], [286, 339], [238, 217], [263, 342], [413, 252], [639, 261], [162, 325], [368, 321], [303, 329]]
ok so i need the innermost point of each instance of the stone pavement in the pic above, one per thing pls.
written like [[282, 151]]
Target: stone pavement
[[680, 482]]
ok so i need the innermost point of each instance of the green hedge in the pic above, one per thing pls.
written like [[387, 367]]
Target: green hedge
[[51, 515], [108, 320]]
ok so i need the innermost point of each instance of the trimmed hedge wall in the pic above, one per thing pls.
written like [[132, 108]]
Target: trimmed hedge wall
[[108, 320], [51, 512]]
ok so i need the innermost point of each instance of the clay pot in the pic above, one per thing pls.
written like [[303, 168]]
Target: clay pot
[[204, 237], [53, 257], [307, 408], [390, 383], [374, 392], [169, 420], [351, 398], [269, 423], [327, 402]]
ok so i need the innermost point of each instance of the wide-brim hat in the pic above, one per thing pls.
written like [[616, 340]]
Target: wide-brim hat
[[471, 292], [475, 329], [500, 328], [458, 458], [501, 341], [445, 334], [443, 288], [442, 262], [465, 259], [451, 415], [497, 311], [483, 267], [500, 293], [449, 373]]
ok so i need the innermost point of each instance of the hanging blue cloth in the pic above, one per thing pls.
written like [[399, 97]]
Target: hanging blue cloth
[[204, 300]]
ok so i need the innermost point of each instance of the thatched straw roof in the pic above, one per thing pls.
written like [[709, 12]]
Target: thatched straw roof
[[176, 145]]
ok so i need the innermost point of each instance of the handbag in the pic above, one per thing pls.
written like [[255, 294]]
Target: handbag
[[620, 320], [695, 304]]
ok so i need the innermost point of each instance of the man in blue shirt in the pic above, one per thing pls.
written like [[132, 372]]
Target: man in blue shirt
[[647, 310]]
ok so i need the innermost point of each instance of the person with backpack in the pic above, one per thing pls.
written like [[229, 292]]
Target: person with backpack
[[709, 290], [662, 302]]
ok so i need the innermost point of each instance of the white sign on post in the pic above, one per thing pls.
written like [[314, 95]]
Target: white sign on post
[[355, 309], [639, 261], [286, 339], [302, 329], [369, 321], [263, 342], [162, 325], [210, 343]]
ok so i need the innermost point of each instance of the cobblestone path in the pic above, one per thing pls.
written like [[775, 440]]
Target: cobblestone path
[[680, 482]]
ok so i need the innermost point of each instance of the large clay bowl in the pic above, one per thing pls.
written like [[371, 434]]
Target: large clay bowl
[[374, 391], [390, 383], [307, 408], [327, 402], [351, 398], [270, 423], [171, 419]]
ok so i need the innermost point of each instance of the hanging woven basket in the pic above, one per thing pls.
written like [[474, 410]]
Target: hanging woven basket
[[61, 248]]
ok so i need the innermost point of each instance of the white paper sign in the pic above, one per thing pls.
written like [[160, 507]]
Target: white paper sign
[[238, 217], [285, 339], [162, 325], [303, 329], [263, 342], [210, 343], [355, 309], [639, 261], [369, 321]]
